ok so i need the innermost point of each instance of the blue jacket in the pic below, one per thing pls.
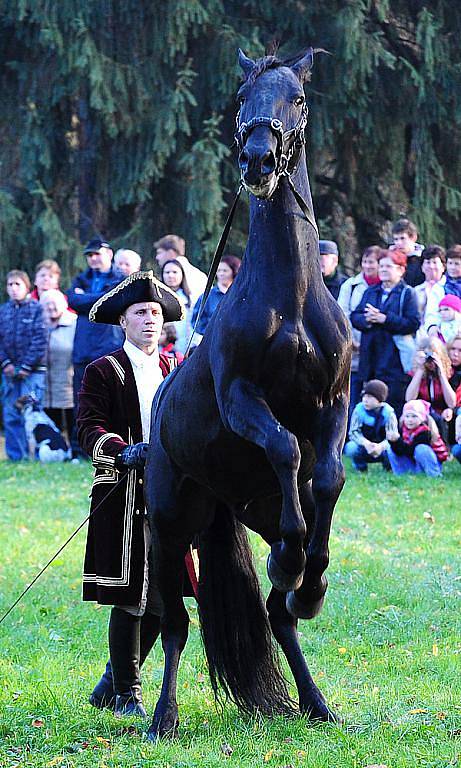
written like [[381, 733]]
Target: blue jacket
[[23, 337], [93, 340], [379, 356], [213, 302]]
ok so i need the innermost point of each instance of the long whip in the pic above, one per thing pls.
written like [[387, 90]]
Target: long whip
[[25, 591]]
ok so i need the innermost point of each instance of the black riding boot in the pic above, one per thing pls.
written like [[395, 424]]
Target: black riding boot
[[124, 646], [104, 694]]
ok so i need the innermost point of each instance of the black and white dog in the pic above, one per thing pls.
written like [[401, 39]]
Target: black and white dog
[[50, 445]]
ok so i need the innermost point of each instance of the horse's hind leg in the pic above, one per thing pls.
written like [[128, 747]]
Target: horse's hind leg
[[284, 629], [327, 483], [246, 413]]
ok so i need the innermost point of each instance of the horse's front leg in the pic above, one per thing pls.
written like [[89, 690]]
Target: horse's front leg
[[245, 411], [174, 631], [327, 483]]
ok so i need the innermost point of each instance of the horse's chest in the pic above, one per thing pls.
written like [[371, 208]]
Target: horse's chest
[[291, 362]]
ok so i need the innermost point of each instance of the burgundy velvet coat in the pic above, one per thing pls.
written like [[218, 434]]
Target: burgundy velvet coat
[[108, 420]]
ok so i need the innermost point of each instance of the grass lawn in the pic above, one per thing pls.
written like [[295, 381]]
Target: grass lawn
[[386, 651]]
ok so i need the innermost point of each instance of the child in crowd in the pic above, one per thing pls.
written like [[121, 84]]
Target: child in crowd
[[372, 419], [22, 358], [418, 447], [451, 286], [167, 341], [405, 235], [450, 318]]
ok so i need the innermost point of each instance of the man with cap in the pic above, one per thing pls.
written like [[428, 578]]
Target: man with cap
[[333, 277], [92, 341], [113, 428]]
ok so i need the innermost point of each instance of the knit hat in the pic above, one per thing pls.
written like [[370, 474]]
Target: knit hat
[[135, 289], [376, 388], [420, 407], [452, 301]]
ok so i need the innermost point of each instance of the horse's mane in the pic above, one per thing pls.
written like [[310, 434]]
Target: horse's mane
[[272, 61]]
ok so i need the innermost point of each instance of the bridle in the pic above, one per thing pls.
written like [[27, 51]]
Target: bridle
[[289, 143], [287, 153]]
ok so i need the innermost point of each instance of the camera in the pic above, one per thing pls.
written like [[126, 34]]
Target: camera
[[429, 357]]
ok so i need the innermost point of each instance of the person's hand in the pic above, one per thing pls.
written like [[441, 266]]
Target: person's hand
[[420, 359], [392, 436], [22, 374], [133, 456], [433, 331], [447, 414], [373, 314], [8, 370], [369, 447], [79, 290]]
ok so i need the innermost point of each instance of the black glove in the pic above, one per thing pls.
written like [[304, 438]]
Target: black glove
[[133, 456]]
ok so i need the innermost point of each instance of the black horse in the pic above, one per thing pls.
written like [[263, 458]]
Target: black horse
[[251, 427]]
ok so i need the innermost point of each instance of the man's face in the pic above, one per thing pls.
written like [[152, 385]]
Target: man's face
[[328, 263], [16, 289], [454, 267], [404, 242], [162, 255], [433, 269], [142, 324], [100, 260]]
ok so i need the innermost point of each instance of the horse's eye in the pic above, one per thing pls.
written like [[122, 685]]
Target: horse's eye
[[299, 101]]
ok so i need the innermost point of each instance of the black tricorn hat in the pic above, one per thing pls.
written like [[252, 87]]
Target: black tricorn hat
[[136, 288]]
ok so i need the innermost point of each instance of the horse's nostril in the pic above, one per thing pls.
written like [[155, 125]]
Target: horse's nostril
[[268, 163]]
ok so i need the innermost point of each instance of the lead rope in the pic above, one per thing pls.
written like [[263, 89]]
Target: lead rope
[[25, 591], [214, 264]]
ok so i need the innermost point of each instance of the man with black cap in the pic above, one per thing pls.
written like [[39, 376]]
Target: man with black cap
[[333, 277], [113, 428], [92, 341]]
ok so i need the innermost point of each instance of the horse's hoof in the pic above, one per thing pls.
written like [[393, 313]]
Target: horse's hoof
[[316, 710], [302, 610], [281, 580], [163, 727]]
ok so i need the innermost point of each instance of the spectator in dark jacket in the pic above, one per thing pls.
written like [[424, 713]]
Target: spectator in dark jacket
[[92, 341], [225, 276], [405, 235], [22, 353], [386, 313], [333, 277]]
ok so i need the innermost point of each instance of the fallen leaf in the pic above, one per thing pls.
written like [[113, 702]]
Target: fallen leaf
[[441, 715], [288, 740], [435, 650], [226, 749], [37, 723], [342, 650], [430, 518], [55, 761], [103, 741], [16, 695], [268, 755], [376, 765], [417, 712]]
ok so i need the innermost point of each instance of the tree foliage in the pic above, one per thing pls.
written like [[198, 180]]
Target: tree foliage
[[118, 118]]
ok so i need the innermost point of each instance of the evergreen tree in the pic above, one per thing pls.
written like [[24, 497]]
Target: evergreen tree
[[118, 118]]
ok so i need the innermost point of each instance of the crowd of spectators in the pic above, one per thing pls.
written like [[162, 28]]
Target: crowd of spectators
[[404, 308]]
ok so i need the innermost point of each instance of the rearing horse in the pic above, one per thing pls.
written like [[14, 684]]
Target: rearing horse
[[251, 427]]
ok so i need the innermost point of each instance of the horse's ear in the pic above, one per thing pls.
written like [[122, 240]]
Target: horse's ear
[[246, 63], [303, 67]]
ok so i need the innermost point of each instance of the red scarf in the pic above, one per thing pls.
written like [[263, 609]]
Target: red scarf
[[371, 280], [437, 444]]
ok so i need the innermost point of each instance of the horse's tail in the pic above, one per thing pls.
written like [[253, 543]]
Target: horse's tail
[[234, 623]]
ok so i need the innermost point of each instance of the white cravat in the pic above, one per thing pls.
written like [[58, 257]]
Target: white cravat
[[148, 377]]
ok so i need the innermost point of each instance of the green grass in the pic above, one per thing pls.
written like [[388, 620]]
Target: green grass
[[386, 651]]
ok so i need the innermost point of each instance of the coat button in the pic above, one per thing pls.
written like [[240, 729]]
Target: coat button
[[137, 512], [140, 481]]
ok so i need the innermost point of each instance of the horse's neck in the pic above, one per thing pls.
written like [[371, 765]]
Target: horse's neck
[[281, 239]]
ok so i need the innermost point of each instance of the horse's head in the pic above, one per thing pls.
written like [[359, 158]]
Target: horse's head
[[271, 119]]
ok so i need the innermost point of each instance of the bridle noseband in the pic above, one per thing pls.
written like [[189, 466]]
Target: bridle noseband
[[289, 143]]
